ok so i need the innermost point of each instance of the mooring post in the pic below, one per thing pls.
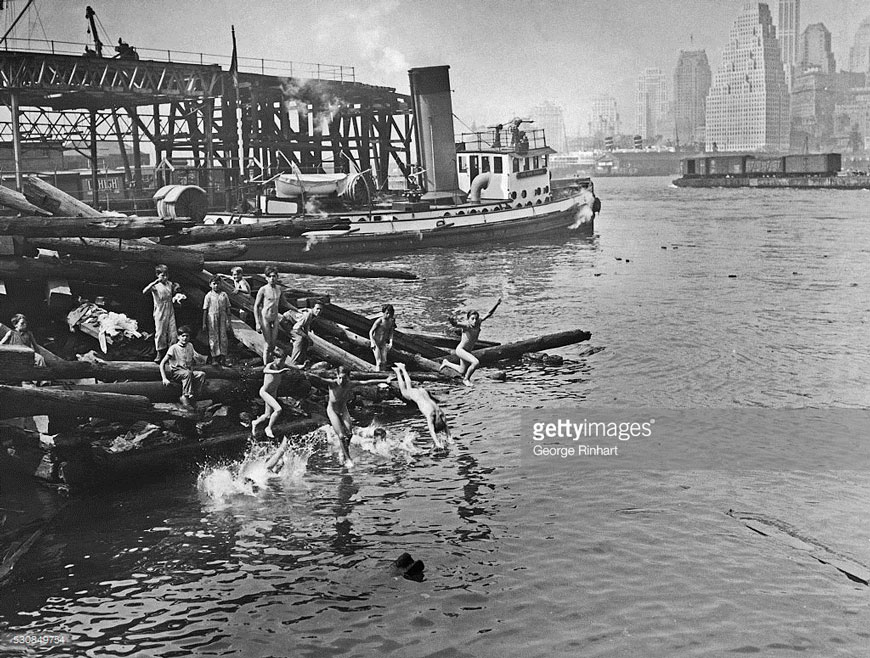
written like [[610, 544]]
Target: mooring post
[[95, 194], [16, 140]]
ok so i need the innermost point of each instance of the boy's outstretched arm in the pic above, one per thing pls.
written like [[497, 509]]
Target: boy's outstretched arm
[[492, 310]]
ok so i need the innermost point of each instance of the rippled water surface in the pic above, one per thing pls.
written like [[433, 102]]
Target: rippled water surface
[[695, 299]]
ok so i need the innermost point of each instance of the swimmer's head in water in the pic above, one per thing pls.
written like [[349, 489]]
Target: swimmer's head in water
[[380, 433], [439, 423]]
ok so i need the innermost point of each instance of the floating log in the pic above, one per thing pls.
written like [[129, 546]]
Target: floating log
[[327, 327], [56, 201], [361, 325], [87, 227], [12, 268], [16, 402], [137, 251], [218, 390], [264, 228], [109, 371], [512, 350], [217, 250], [17, 201], [446, 342], [306, 268]]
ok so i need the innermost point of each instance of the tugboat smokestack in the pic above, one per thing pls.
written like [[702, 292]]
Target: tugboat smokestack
[[436, 149]]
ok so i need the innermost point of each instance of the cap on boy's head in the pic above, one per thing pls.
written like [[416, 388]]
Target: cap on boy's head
[[184, 330]]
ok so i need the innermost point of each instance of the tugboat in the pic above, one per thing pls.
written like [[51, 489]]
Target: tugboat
[[490, 186]]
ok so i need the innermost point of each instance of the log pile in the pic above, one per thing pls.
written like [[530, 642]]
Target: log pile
[[95, 405]]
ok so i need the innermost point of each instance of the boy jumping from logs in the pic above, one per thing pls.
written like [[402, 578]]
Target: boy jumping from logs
[[340, 390], [266, 311], [268, 391], [468, 363], [428, 407], [381, 335]]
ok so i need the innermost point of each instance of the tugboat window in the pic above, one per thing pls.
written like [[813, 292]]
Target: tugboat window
[[525, 164], [463, 164], [536, 162], [524, 194], [497, 165], [516, 164], [484, 163]]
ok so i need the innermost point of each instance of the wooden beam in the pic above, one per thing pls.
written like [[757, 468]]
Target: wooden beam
[[548, 341], [306, 268], [88, 227], [109, 249], [16, 402]]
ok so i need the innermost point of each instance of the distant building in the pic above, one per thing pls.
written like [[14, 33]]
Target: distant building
[[852, 120], [815, 52], [859, 53], [604, 121], [691, 84], [788, 26], [652, 103], [551, 118], [747, 107]]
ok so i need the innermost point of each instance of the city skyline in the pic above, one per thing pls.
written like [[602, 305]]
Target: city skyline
[[503, 60]]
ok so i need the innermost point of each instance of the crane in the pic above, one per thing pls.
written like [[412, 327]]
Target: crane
[[98, 45]]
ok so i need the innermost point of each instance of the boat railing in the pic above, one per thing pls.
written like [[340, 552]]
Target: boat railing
[[504, 140]]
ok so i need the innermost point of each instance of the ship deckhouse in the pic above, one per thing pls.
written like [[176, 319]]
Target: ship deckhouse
[[505, 164]]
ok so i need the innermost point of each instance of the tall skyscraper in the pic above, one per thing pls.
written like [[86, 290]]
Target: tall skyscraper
[[691, 84], [859, 53], [815, 52], [747, 107], [789, 24], [652, 103], [604, 121], [551, 118]]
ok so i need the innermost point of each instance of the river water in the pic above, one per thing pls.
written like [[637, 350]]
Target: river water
[[718, 312]]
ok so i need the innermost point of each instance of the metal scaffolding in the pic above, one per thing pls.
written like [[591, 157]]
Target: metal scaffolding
[[229, 129]]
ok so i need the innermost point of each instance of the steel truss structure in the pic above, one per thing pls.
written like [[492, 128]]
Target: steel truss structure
[[232, 128]]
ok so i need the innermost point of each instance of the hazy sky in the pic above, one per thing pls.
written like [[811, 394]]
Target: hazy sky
[[505, 56]]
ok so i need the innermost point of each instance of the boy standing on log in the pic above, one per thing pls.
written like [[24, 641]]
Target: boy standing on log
[[164, 293], [428, 407], [468, 363], [271, 381], [181, 358], [216, 319], [381, 335], [301, 328], [266, 311]]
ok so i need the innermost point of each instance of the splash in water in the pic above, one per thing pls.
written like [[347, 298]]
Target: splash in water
[[377, 440], [250, 475]]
